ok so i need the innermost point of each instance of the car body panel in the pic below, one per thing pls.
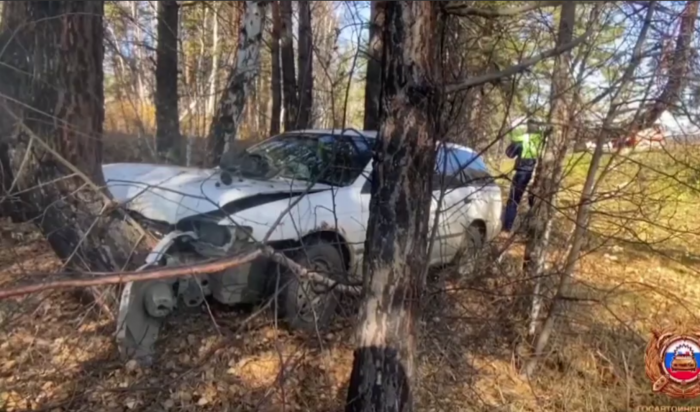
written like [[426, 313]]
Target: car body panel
[[170, 194]]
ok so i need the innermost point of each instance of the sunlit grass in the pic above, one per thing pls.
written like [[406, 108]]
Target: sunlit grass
[[640, 267]]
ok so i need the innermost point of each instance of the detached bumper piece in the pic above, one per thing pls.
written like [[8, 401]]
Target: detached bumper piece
[[145, 305]]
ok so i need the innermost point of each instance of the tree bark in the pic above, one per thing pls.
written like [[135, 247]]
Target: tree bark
[[582, 214], [215, 54], [305, 58], [396, 256], [678, 72], [52, 120], [169, 144], [229, 113], [374, 66], [289, 83], [549, 169], [137, 57], [276, 81]]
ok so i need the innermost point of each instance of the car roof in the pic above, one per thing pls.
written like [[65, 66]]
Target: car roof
[[369, 134]]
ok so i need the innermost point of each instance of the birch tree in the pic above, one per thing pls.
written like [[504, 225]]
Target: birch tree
[[374, 66], [241, 80], [275, 78]]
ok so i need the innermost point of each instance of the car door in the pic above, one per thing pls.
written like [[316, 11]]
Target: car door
[[478, 188], [365, 197], [457, 200]]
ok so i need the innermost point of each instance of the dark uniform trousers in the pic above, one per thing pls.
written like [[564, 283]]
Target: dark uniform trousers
[[523, 174]]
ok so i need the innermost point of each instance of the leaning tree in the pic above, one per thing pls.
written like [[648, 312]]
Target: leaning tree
[[51, 115]]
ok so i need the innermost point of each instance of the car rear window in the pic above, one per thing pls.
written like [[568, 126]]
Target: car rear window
[[458, 159]]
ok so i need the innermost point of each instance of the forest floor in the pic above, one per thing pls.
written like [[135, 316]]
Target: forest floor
[[639, 271]]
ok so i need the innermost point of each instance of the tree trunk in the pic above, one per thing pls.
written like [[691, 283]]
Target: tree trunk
[[549, 169], [399, 211], [137, 58], [229, 113], [678, 72], [59, 139], [289, 83], [374, 66], [276, 81], [214, 76], [169, 145], [582, 214], [305, 57]]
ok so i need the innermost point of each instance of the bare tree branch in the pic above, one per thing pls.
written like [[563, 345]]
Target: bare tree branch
[[524, 65], [101, 279], [462, 10], [105, 278]]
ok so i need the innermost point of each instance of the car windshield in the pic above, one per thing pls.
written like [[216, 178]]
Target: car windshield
[[330, 159]]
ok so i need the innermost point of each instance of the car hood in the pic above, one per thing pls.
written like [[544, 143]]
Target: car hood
[[171, 193]]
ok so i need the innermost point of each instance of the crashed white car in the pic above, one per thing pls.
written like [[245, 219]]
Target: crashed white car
[[306, 193]]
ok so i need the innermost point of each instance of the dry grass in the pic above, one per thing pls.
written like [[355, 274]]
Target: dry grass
[[55, 355]]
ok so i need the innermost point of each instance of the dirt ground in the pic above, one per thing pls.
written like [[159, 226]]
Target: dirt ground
[[57, 354]]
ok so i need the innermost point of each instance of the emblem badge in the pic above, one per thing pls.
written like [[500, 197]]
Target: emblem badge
[[673, 362]]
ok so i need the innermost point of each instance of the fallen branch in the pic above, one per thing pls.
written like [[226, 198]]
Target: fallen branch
[[199, 269], [302, 272], [101, 278]]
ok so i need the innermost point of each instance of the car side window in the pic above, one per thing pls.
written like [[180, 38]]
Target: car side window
[[448, 171], [461, 167], [454, 167]]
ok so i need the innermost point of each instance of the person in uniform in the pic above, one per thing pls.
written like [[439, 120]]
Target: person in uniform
[[525, 147]]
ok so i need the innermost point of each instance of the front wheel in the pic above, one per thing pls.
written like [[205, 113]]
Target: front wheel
[[304, 304]]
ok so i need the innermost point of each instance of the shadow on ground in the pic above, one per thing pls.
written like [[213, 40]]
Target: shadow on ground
[[55, 357]]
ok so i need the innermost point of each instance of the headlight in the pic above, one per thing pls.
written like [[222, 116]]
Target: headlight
[[210, 232]]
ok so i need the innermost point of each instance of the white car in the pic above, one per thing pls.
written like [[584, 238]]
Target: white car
[[304, 192]]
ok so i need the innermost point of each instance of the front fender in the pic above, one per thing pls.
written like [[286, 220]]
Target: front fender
[[313, 213], [136, 331]]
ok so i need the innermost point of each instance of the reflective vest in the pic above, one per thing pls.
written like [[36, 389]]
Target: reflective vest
[[531, 144], [527, 147]]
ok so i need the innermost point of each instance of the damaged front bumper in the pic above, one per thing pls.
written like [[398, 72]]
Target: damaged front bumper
[[145, 305]]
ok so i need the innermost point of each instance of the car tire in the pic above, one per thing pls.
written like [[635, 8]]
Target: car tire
[[293, 301]]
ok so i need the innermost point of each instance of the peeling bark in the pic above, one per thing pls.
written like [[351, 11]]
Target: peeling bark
[[305, 64], [55, 132], [229, 113], [276, 81], [383, 366], [169, 144], [289, 83], [374, 66]]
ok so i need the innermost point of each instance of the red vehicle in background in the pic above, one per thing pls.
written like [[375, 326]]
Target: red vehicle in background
[[652, 137]]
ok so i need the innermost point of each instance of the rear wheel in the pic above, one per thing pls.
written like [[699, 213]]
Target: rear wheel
[[303, 303]]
